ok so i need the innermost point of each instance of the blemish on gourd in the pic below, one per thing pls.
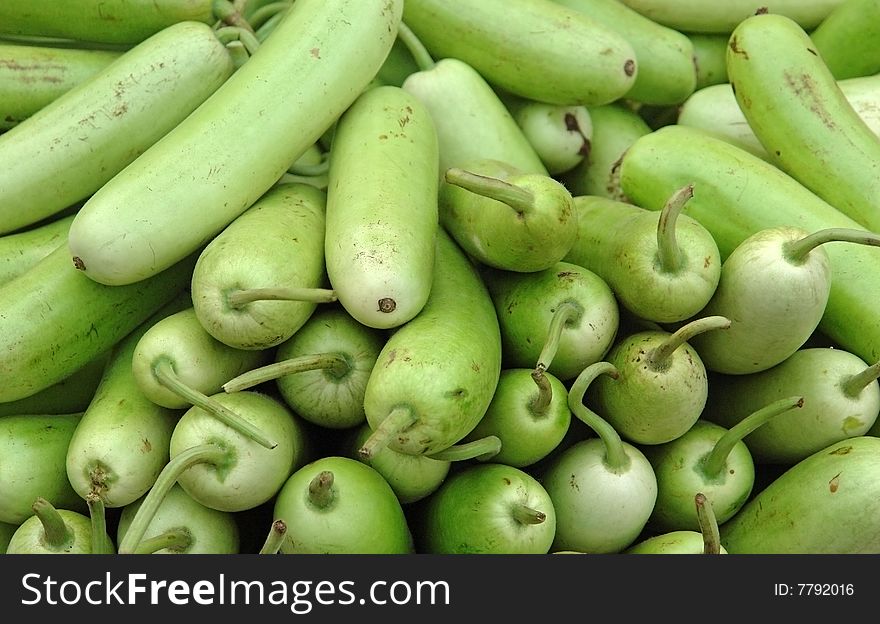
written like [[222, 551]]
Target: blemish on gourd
[[629, 67], [834, 483], [734, 47], [146, 447], [315, 52]]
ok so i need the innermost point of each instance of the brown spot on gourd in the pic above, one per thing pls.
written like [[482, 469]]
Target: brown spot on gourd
[[834, 483], [506, 481], [734, 47], [391, 356], [315, 52], [146, 447], [812, 51], [843, 450]]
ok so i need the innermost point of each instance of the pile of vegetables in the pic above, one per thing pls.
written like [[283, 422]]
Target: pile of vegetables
[[439, 276]]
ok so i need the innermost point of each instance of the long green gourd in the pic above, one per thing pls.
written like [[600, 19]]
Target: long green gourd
[[216, 163], [848, 39], [799, 114], [736, 194]]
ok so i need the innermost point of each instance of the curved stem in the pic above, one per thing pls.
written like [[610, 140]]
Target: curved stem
[[269, 25], [526, 515], [708, 525], [518, 198], [332, 362], [416, 48], [714, 462], [177, 540], [797, 250], [658, 358], [209, 453], [311, 170], [482, 449], [165, 375], [97, 514], [275, 538], [544, 396], [668, 250], [566, 313], [616, 458], [321, 489], [853, 385], [397, 420], [240, 298], [259, 17], [320, 182], [56, 534]]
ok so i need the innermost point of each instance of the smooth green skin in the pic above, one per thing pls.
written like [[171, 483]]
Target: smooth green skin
[[382, 207], [199, 360], [190, 200], [121, 442], [796, 109], [671, 543], [829, 415], [123, 22], [835, 487], [534, 48], [33, 448], [471, 120], [253, 474], [443, 366], [527, 434], [412, 477], [598, 510], [848, 39], [715, 109], [710, 51], [362, 517], [71, 394], [525, 304], [6, 531], [473, 513], [723, 17], [615, 128], [496, 234], [276, 243], [560, 134], [666, 73], [774, 304], [618, 241], [213, 532], [325, 397], [32, 76], [30, 537], [82, 139], [21, 250], [56, 320], [740, 194], [678, 465], [648, 405]]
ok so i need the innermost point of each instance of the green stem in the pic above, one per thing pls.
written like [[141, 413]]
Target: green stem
[[319, 182], [669, 254], [165, 375], [544, 396], [658, 358], [566, 313], [482, 449], [518, 198], [714, 462], [269, 25], [240, 298], [259, 17], [311, 170], [209, 453], [332, 362], [228, 13], [397, 420], [708, 525], [177, 540], [321, 489], [275, 538], [854, 384], [56, 534], [616, 458], [526, 515], [416, 48], [97, 514], [796, 251]]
